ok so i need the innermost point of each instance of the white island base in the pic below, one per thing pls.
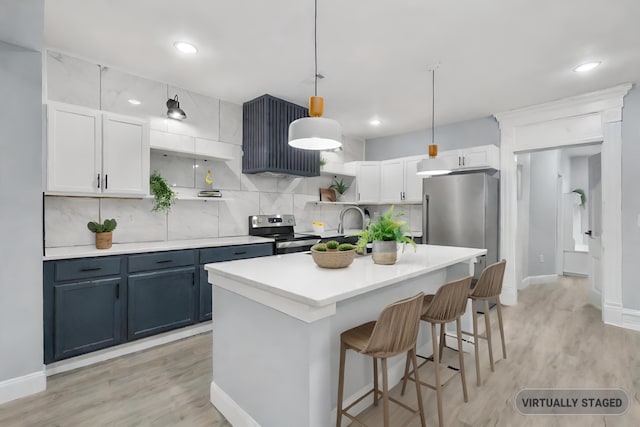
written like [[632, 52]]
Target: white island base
[[277, 322]]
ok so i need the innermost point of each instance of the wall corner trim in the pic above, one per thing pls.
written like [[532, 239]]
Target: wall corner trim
[[23, 386]]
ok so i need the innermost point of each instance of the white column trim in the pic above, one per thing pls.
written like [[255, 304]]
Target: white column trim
[[590, 117]]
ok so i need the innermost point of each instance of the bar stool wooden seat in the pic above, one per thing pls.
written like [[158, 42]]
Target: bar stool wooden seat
[[488, 288], [448, 304], [394, 333]]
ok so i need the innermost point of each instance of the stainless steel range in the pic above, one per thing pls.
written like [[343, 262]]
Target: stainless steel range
[[280, 228]]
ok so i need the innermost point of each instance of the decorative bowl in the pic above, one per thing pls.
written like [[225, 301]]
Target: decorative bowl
[[333, 259]]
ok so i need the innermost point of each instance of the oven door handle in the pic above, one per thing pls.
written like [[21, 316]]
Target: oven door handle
[[296, 243]]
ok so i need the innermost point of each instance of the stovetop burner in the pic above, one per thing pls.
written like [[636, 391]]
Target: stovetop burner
[[280, 228]]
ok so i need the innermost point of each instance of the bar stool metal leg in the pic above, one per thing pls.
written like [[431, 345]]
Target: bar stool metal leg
[[375, 381]]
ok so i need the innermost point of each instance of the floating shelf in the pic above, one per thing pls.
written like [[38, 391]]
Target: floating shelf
[[404, 202]]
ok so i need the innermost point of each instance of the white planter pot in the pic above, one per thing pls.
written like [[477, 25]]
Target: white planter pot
[[385, 252]]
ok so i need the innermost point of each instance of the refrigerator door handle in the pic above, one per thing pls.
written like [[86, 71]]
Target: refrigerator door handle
[[425, 219]]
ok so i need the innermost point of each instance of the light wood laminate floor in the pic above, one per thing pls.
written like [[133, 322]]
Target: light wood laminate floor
[[554, 339]]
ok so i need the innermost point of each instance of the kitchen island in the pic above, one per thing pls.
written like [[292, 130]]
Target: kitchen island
[[277, 322]]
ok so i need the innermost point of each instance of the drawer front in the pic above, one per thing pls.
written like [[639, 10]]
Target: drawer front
[[229, 253], [161, 260], [87, 268]]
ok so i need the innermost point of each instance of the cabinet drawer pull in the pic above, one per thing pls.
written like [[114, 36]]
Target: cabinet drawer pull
[[106, 181], [118, 291], [98, 180], [164, 261], [91, 269], [240, 253]]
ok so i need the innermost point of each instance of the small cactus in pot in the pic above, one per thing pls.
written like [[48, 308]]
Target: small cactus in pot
[[103, 232], [332, 246]]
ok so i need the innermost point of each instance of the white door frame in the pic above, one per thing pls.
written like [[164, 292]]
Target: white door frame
[[583, 119]]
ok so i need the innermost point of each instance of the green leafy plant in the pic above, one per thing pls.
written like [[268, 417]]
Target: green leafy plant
[[339, 186], [106, 226], [387, 228], [583, 196], [320, 247], [322, 162], [163, 194], [332, 245], [346, 247]]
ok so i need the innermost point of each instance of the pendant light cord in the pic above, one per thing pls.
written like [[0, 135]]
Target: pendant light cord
[[315, 45], [433, 105]]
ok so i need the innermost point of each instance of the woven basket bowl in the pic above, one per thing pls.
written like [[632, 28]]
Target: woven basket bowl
[[339, 259]]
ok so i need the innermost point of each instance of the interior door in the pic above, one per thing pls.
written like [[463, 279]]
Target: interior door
[[594, 204]]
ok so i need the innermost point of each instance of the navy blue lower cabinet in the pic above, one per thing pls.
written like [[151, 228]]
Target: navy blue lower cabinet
[[205, 295], [160, 301], [87, 316]]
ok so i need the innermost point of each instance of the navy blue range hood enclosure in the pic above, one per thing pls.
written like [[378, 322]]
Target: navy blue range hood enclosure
[[265, 133]]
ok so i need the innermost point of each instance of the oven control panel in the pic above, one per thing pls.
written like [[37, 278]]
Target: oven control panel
[[259, 221]]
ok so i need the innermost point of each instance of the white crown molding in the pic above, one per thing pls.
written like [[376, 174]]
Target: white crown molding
[[588, 103]]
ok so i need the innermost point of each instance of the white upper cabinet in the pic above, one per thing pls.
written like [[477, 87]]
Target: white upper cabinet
[[94, 153], [125, 155], [368, 181], [481, 157], [399, 181], [392, 180]]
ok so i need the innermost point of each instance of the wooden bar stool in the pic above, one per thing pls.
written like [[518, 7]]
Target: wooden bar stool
[[394, 333], [448, 304], [489, 287]]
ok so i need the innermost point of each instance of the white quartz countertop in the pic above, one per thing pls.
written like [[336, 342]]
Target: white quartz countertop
[[297, 277], [139, 247]]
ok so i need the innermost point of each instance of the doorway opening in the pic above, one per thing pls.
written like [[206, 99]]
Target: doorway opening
[[559, 216]]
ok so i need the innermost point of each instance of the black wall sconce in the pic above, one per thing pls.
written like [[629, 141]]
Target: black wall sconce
[[173, 109]]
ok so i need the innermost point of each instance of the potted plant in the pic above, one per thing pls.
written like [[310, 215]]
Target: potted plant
[[583, 196], [339, 186], [385, 234], [333, 255], [164, 196], [103, 232]]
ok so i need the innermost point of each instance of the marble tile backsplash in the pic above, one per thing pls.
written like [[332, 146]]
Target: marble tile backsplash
[[136, 221], [66, 218], [193, 219]]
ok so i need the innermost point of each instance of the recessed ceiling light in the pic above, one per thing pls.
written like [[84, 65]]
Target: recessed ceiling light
[[185, 47], [134, 102], [374, 122], [583, 68]]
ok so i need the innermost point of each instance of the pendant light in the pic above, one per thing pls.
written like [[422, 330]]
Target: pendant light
[[432, 166], [315, 132]]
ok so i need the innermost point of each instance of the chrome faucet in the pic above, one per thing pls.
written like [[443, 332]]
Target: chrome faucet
[[345, 210]]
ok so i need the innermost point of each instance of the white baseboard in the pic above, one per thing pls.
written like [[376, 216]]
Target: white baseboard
[[23, 386], [127, 348], [631, 319], [236, 416], [612, 314], [539, 280]]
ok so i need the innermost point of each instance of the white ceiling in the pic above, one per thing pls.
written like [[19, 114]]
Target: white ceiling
[[495, 55]]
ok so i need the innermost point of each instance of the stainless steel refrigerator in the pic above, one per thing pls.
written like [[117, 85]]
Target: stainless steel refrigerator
[[462, 210]]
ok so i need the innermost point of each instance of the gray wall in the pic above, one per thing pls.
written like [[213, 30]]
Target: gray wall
[[21, 23], [471, 133], [630, 200], [543, 211]]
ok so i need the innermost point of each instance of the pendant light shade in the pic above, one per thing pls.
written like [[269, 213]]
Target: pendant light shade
[[315, 132], [173, 109], [433, 165]]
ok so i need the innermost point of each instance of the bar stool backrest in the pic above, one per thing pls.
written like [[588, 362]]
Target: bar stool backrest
[[490, 281], [397, 328], [449, 302]]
